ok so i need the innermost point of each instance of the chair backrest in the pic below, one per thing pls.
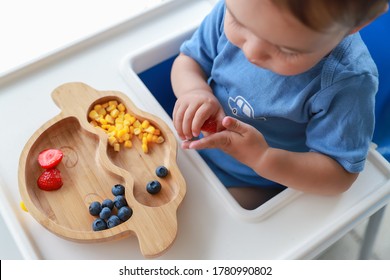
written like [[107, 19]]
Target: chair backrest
[[377, 38]]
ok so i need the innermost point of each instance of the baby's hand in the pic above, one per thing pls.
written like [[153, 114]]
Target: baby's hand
[[192, 110], [240, 140]]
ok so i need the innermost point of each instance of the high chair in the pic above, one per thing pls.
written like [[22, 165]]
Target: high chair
[[156, 77], [379, 45]]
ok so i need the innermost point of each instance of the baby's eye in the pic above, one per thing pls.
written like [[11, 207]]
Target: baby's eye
[[288, 51]]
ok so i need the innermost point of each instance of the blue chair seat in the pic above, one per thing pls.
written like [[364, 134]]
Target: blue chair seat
[[376, 36]]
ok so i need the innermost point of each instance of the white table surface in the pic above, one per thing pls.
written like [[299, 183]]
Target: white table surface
[[32, 29], [211, 225]]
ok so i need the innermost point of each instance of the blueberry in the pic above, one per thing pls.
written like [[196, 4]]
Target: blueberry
[[120, 201], [118, 189], [105, 213], [125, 213], [161, 171], [108, 203], [153, 187], [95, 208], [113, 221], [99, 224]]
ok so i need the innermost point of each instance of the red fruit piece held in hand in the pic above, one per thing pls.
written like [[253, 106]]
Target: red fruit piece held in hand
[[209, 126], [50, 180], [50, 158]]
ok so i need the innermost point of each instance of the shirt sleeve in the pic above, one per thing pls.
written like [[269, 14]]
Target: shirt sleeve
[[202, 46], [343, 121]]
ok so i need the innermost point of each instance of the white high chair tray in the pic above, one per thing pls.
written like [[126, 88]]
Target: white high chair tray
[[211, 225]]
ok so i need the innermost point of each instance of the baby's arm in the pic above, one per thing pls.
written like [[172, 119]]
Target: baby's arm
[[195, 99], [309, 172]]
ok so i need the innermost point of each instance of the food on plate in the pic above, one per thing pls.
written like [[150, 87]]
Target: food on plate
[[111, 213], [161, 171], [121, 126], [124, 213], [153, 187], [94, 208], [118, 189], [50, 158], [99, 224], [23, 206], [50, 180]]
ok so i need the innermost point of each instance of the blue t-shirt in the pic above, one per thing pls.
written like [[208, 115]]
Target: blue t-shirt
[[328, 109]]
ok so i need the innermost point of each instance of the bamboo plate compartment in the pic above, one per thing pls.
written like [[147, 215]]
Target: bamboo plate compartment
[[91, 167]]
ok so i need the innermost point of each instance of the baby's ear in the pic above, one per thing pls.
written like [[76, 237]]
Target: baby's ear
[[358, 28]]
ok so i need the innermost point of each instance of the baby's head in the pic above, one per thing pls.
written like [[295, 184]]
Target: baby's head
[[289, 37], [323, 14]]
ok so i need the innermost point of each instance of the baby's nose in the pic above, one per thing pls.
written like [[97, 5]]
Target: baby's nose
[[257, 51]]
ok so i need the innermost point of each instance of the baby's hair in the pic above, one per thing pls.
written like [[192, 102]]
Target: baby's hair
[[321, 14]]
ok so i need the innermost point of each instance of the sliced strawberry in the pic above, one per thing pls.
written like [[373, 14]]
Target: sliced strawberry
[[50, 158], [209, 126], [50, 180]]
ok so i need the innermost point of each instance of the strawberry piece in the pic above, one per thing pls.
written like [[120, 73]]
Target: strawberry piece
[[50, 158], [50, 180], [209, 126]]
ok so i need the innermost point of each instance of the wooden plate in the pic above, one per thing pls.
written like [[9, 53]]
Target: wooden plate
[[91, 167]]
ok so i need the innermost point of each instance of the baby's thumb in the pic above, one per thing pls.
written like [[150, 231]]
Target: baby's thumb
[[234, 125]]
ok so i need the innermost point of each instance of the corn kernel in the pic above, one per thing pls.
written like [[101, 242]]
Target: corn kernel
[[117, 147], [121, 107], [145, 124], [119, 126], [93, 114], [132, 120], [160, 139], [103, 121], [102, 112], [110, 108], [111, 133], [23, 206], [137, 131], [119, 120], [137, 123], [114, 113], [128, 144], [126, 123], [112, 140], [157, 131], [94, 123], [144, 140], [150, 129], [121, 133], [145, 148], [109, 119], [113, 103], [105, 105], [149, 137]]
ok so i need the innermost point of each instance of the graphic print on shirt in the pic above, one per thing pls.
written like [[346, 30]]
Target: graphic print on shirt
[[240, 107]]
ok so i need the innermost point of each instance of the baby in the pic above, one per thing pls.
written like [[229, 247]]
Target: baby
[[291, 87]]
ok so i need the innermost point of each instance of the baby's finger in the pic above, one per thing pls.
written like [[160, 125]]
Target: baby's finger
[[234, 125], [178, 116], [212, 141]]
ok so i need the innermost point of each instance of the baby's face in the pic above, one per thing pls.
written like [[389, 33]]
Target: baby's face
[[274, 39]]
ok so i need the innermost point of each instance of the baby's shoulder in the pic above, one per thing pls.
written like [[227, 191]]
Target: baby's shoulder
[[350, 58]]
